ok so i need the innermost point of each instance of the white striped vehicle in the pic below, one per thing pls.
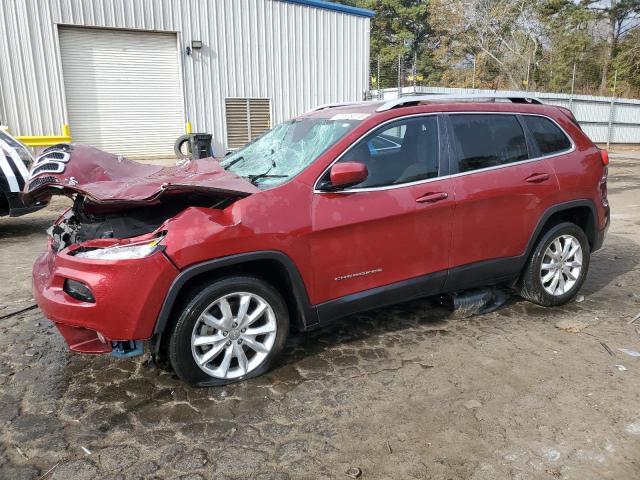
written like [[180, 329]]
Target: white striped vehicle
[[15, 162]]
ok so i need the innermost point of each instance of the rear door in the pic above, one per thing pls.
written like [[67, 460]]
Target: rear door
[[502, 188], [394, 226]]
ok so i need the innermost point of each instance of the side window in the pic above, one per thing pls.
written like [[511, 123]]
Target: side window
[[401, 152], [488, 140], [549, 138]]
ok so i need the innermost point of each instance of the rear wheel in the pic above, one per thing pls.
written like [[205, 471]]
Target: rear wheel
[[557, 267], [229, 331]]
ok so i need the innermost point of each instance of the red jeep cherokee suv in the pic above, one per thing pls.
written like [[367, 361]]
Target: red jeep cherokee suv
[[343, 209]]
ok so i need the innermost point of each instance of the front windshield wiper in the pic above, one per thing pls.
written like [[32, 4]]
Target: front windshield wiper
[[254, 178], [226, 167]]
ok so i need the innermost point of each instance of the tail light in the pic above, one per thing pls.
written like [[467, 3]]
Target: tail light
[[605, 157]]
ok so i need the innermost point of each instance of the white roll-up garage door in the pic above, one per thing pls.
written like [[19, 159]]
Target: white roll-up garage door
[[123, 90]]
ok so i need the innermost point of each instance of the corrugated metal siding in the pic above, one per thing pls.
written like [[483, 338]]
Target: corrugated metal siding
[[592, 112], [296, 55], [123, 89]]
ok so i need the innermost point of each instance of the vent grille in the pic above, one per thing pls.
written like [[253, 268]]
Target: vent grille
[[38, 182], [247, 118], [50, 167], [63, 147], [56, 156]]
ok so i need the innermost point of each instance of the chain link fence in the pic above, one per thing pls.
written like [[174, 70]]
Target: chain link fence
[[581, 78], [609, 115]]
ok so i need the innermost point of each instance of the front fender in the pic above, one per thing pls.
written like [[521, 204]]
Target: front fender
[[306, 312]]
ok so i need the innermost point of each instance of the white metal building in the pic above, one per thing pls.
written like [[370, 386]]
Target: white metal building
[[127, 75]]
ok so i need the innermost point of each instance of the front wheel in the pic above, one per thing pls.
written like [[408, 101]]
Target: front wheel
[[229, 331], [557, 267]]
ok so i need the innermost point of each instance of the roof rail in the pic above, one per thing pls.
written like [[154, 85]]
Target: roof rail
[[324, 106], [453, 97]]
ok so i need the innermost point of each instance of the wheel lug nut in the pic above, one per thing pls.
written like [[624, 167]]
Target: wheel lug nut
[[225, 333], [235, 324], [243, 330], [239, 341]]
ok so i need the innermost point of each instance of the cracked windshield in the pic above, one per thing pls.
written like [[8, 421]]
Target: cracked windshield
[[285, 151]]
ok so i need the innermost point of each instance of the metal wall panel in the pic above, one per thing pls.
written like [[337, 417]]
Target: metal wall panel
[[296, 55], [592, 112]]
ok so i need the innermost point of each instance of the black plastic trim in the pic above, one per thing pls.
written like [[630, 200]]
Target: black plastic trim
[[16, 207], [484, 273], [398, 292], [533, 151], [306, 313], [559, 208], [600, 234], [446, 158]]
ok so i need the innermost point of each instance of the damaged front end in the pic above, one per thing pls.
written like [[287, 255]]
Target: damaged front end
[[87, 221], [116, 198], [106, 252]]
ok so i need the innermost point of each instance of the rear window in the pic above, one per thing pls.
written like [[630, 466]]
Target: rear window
[[488, 140], [549, 138]]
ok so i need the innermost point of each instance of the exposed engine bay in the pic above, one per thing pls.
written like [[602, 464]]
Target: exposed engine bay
[[86, 221]]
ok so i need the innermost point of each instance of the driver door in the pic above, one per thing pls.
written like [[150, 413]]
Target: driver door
[[393, 229]]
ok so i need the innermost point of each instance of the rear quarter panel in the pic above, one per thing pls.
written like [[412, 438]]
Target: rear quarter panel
[[579, 172]]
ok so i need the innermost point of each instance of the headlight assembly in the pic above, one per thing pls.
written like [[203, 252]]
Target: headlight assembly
[[130, 251]]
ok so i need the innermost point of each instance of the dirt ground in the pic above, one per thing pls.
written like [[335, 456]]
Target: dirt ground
[[399, 393]]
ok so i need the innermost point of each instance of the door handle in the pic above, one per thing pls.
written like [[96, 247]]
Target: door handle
[[537, 178], [432, 197]]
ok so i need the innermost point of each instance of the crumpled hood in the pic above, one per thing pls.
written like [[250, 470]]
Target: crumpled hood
[[104, 178]]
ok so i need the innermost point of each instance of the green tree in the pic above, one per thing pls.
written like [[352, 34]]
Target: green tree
[[569, 41], [627, 63], [401, 29], [619, 17]]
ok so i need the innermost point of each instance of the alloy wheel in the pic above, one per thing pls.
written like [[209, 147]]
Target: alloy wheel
[[234, 335], [561, 265]]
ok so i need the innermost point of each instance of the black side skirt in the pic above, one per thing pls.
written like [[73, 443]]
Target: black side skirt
[[480, 274]]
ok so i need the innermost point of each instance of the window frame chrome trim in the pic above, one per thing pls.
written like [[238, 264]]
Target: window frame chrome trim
[[444, 177]]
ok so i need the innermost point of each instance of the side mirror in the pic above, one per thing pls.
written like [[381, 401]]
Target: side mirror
[[346, 174]]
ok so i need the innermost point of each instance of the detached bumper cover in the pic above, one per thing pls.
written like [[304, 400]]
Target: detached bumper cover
[[17, 208], [128, 297]]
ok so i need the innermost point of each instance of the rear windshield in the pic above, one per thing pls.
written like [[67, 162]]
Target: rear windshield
[[285, 151]]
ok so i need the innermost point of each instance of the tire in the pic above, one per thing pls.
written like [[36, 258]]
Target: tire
[[210, 329], [532, 285], [177, 147]]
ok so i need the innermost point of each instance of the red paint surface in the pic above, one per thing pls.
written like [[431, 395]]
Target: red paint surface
[[107, 178], [128, 293], [394, 234]]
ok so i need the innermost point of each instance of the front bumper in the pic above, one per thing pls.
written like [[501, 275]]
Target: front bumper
[[128, 297]]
